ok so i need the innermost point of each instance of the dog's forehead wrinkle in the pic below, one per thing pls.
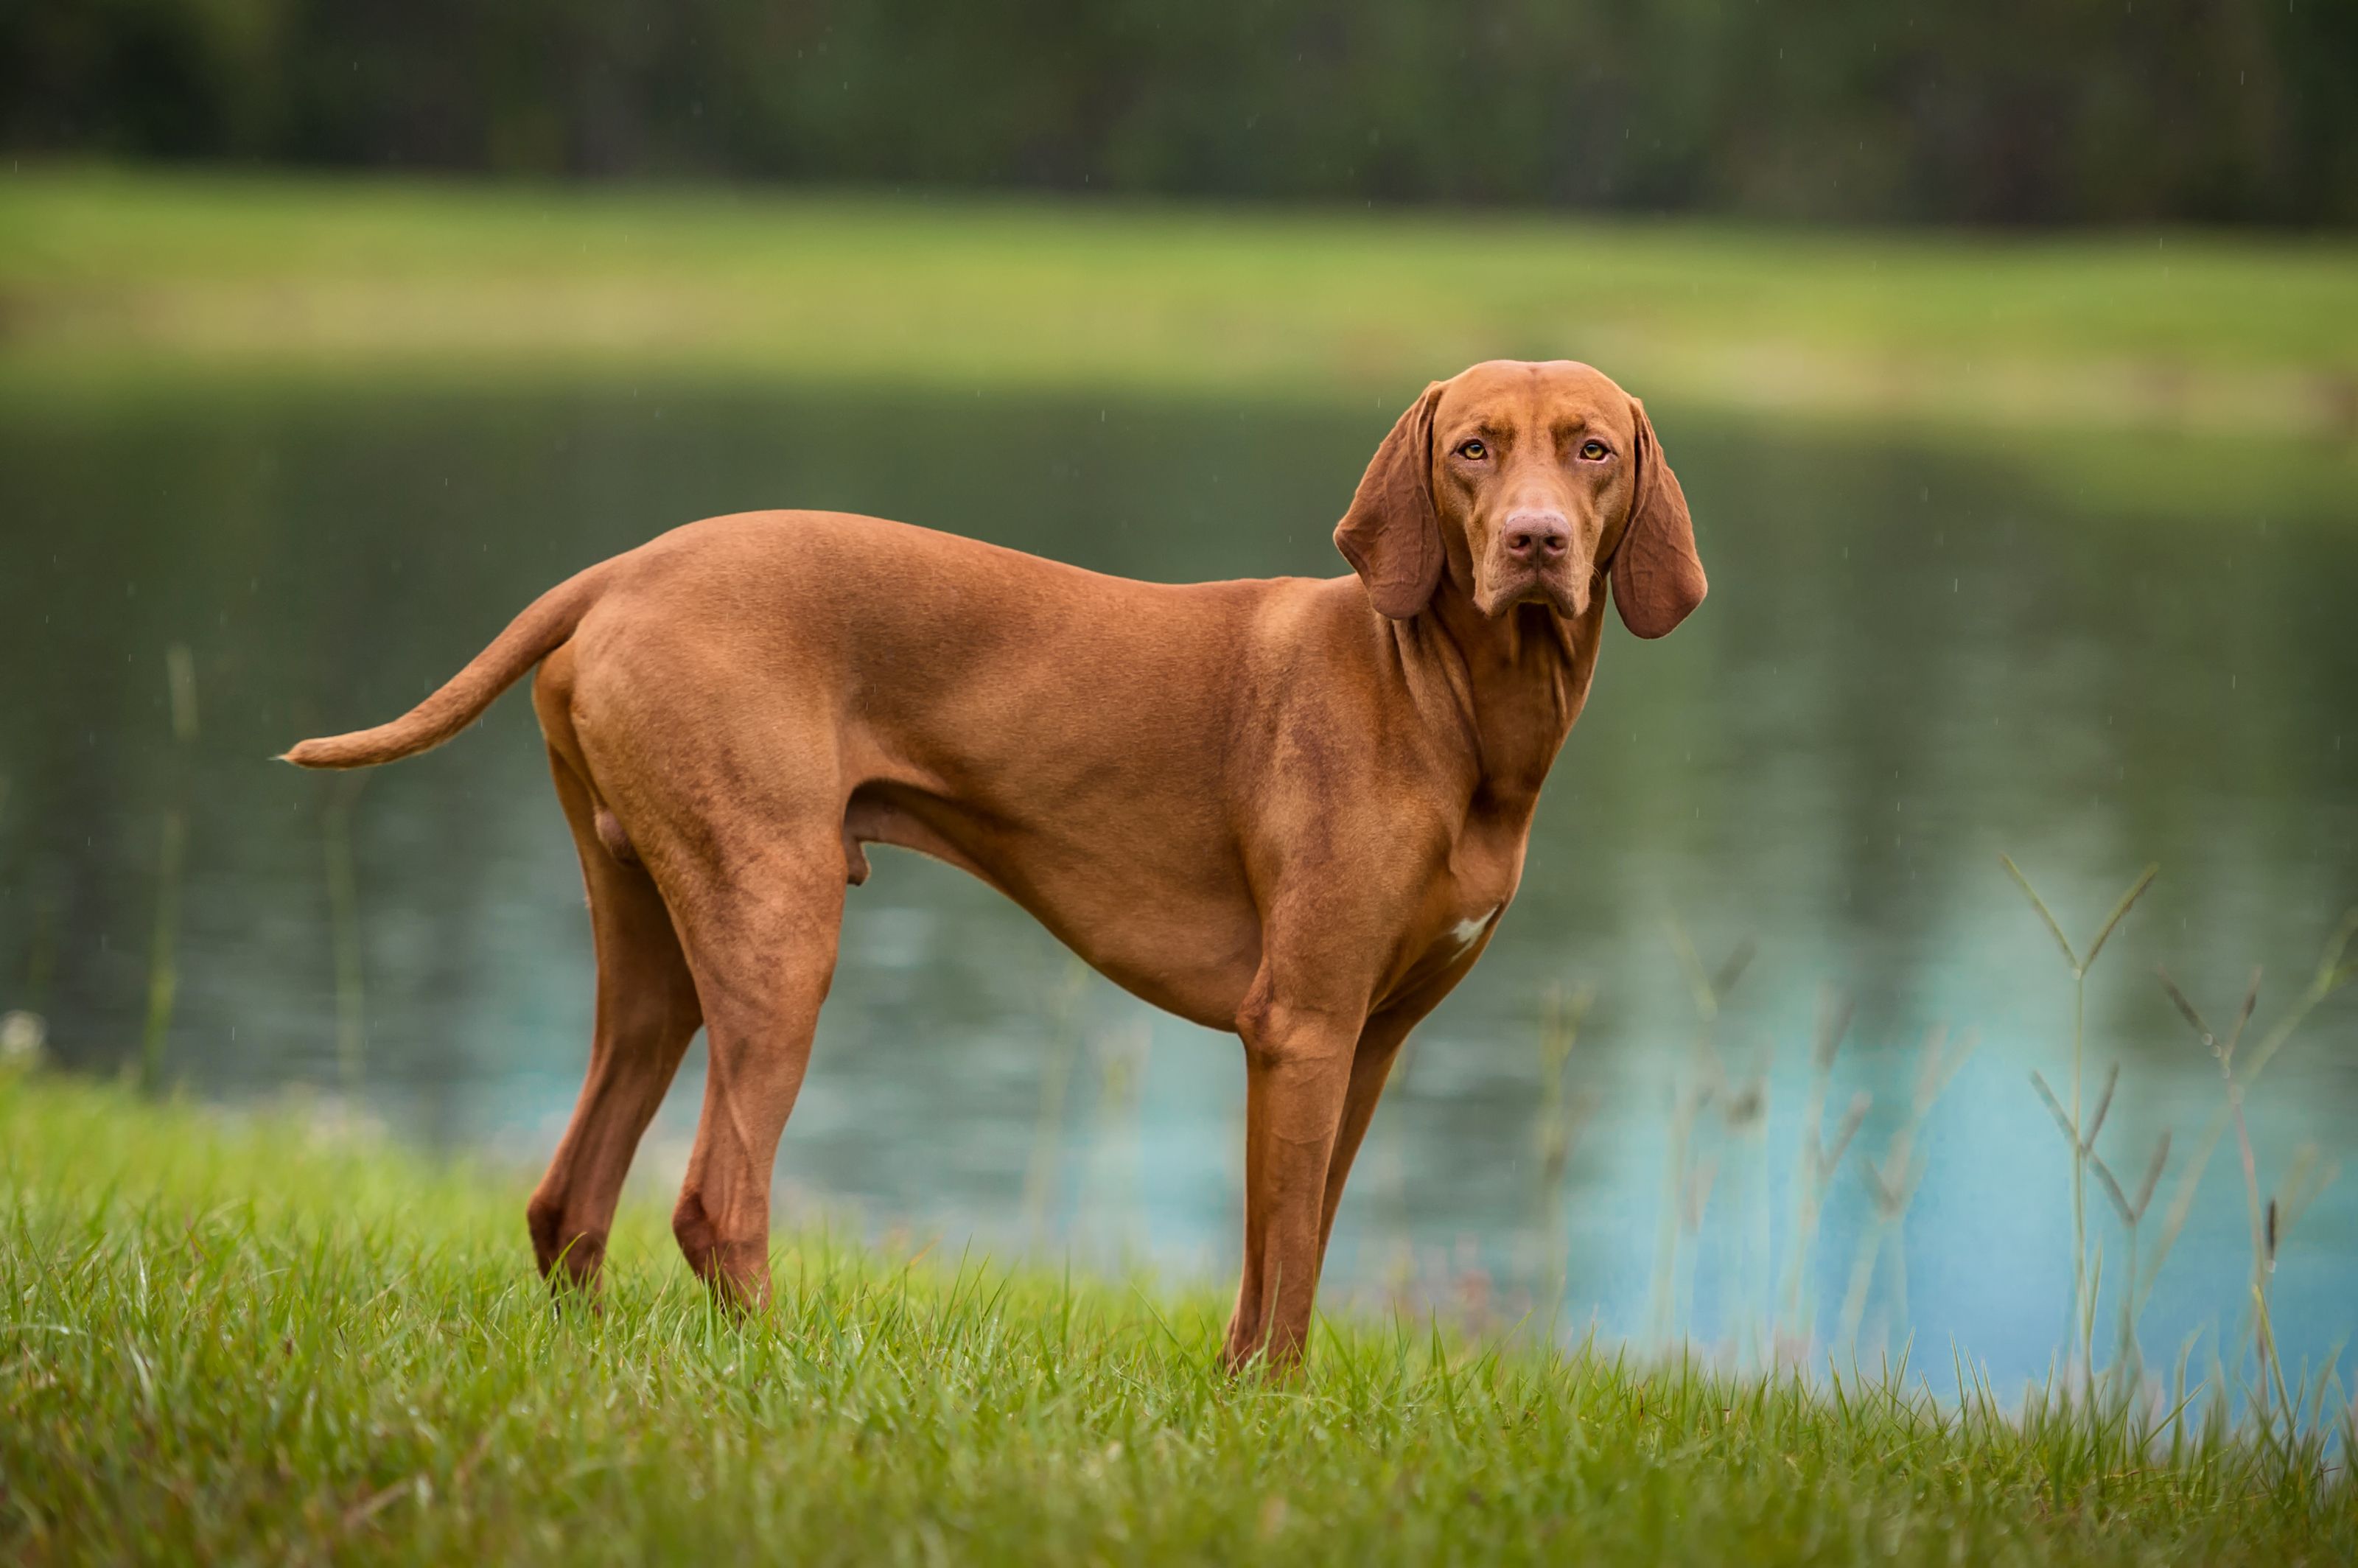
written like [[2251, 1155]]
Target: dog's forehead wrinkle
[[1498, 421], [1503, 400]]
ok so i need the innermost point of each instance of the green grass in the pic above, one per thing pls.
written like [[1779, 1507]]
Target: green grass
[[262, 1339], [110, 274]]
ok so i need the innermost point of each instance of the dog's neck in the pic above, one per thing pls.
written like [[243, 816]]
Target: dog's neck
[[1517, 680]]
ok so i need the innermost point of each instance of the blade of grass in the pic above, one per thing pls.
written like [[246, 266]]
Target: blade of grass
[[2120, 910], [2054, 929]]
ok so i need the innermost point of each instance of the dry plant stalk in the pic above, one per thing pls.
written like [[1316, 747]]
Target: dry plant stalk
[[2083, 1301], [2130, 1362], [1556, 1127], [2270, 1217], [1047, 1133], [1686, 1190], [163, 963], [1121, 1054], [1814, 1167], [1891, 1181], [2332, 974], [344, 921]]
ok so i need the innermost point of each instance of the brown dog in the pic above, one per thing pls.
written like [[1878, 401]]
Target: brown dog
[[1293, 809]]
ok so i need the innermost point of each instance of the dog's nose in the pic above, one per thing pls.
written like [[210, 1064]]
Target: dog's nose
[[1538, 538]]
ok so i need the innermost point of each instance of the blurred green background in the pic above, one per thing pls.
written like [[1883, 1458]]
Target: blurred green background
[[2009, 354], [2014, 111]]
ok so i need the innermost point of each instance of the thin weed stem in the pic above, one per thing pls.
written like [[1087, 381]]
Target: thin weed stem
[[344, 923], [1555, 1131], [2080, 1135], [162, 961], [1040, 1178]]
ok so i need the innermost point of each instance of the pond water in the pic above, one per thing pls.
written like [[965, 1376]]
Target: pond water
[[1916, 655]]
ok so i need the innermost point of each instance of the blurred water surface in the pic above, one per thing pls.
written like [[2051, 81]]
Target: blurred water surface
[[1915, 655]]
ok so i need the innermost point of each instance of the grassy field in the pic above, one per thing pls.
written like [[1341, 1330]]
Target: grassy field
[[267, 1340], [113, 274]]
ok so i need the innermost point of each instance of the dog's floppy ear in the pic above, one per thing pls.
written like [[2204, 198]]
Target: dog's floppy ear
[[1391, 534], [1657, 575]]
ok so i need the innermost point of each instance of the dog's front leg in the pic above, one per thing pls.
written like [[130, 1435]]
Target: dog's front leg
[[1371, 1063], [1298, 1075]]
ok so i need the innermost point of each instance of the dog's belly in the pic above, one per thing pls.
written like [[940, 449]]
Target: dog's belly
[[1187, 944]]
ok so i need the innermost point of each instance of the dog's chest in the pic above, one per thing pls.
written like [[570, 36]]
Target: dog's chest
[[1464, 903], [1464, 933], [1481, 881]]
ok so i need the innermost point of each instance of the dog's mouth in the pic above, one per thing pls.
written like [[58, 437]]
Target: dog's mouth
[[1556, 585]]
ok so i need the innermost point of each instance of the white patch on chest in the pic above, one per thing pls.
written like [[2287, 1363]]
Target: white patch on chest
[[1468, 932]]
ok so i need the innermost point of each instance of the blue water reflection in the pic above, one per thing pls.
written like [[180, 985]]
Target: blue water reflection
[[1915, 657]]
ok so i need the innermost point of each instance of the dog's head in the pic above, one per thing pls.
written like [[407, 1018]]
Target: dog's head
[[1525, 484]]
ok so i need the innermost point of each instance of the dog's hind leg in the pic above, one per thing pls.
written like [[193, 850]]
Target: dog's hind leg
[[647, 1012], [761, 927]]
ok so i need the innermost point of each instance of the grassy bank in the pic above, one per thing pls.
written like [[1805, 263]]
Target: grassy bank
[[259, 1340], [113, 274]]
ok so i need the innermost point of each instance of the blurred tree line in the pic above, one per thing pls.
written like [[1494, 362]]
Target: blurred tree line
[[2005, 110]]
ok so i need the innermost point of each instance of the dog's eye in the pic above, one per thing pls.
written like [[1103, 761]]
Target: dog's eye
[[1473, 451], [1595, 451]]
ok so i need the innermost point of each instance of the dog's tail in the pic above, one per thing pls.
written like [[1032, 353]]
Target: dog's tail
[[530, 637]]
